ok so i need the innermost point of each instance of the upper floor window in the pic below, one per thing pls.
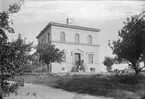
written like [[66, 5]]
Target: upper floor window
[[38, 42], [44, 39], [62, 37], [48, 37], [41, 41], [89, 39], [77, 38]]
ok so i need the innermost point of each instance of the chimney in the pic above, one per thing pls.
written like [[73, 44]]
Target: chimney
[[69, 21]]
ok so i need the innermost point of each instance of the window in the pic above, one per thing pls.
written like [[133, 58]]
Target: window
[[48, 37], [77, 38], [90, 58], [92, 69], [44, 39], [64, 58], [89, 39], [39, 42], [62, 37], [63, 68]]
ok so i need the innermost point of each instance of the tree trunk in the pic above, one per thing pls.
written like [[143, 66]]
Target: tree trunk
[[133, 66], [137, 72], [1, 94], [48, 68]]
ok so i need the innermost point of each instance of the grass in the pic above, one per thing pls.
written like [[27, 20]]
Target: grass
[[119, 87]]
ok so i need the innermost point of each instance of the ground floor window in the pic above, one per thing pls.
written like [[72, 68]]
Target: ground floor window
[[63, 68], [64, 58], [90, 58], [92, 69]]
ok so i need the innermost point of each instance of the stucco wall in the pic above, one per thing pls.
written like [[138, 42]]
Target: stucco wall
[[70, 34], [45, 34], [69, 48]]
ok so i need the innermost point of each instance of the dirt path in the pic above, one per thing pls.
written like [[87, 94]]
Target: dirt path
[[32, 91]]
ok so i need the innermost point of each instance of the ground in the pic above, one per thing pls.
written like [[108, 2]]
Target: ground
[[118, 87], [33, 91]]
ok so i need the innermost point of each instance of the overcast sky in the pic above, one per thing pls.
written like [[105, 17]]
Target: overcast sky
[[105, 15]]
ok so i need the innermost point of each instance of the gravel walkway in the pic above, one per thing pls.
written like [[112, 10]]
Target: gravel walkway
[[32, 91]]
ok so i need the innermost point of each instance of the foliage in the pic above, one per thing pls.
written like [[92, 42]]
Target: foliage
[[5, 21], [108, 62], [13, 55], [80, 65], [48, 53], [35, 60], [26, 68], [130, 47]]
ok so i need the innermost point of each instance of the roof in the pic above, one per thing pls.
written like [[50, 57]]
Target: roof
[[67, 26]]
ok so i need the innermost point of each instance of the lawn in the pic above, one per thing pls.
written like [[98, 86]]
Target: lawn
[[119, 87]]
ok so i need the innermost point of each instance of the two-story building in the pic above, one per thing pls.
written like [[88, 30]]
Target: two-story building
[[79, 43]]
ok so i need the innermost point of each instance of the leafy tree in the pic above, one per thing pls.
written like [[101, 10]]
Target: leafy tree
[[108, 62], [48, 53], [22, 51], [13, 55], [130, 47]]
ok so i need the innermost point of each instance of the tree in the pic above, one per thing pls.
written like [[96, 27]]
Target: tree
[[48, 53], [130, 47], [108, 62], [13, 55]]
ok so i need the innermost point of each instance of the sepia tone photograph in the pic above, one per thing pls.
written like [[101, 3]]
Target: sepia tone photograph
[[72, 49]]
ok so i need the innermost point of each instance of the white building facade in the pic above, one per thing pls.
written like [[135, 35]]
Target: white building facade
[[79, 43]]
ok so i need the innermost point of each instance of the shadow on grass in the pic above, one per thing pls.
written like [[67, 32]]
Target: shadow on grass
[[109, 86], [100, 86]]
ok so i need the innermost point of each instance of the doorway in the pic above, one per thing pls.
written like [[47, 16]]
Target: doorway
[[77, 57]]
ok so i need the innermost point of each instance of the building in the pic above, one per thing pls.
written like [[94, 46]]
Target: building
[[79, 43]]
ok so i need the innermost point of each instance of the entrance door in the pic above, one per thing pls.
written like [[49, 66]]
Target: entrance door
[[77, 57]]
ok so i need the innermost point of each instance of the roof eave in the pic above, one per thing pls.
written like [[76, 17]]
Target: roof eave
[[75, 27], [68, 26], [43, 31]]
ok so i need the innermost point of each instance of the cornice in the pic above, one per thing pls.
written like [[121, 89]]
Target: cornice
[[84, 44], [67, 26], [75, 27]]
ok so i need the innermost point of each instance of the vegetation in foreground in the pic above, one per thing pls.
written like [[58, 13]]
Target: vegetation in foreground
[[119, 87], [130, 46], [13, 54]]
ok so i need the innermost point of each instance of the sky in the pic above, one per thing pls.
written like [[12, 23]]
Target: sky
[[108, 16]]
